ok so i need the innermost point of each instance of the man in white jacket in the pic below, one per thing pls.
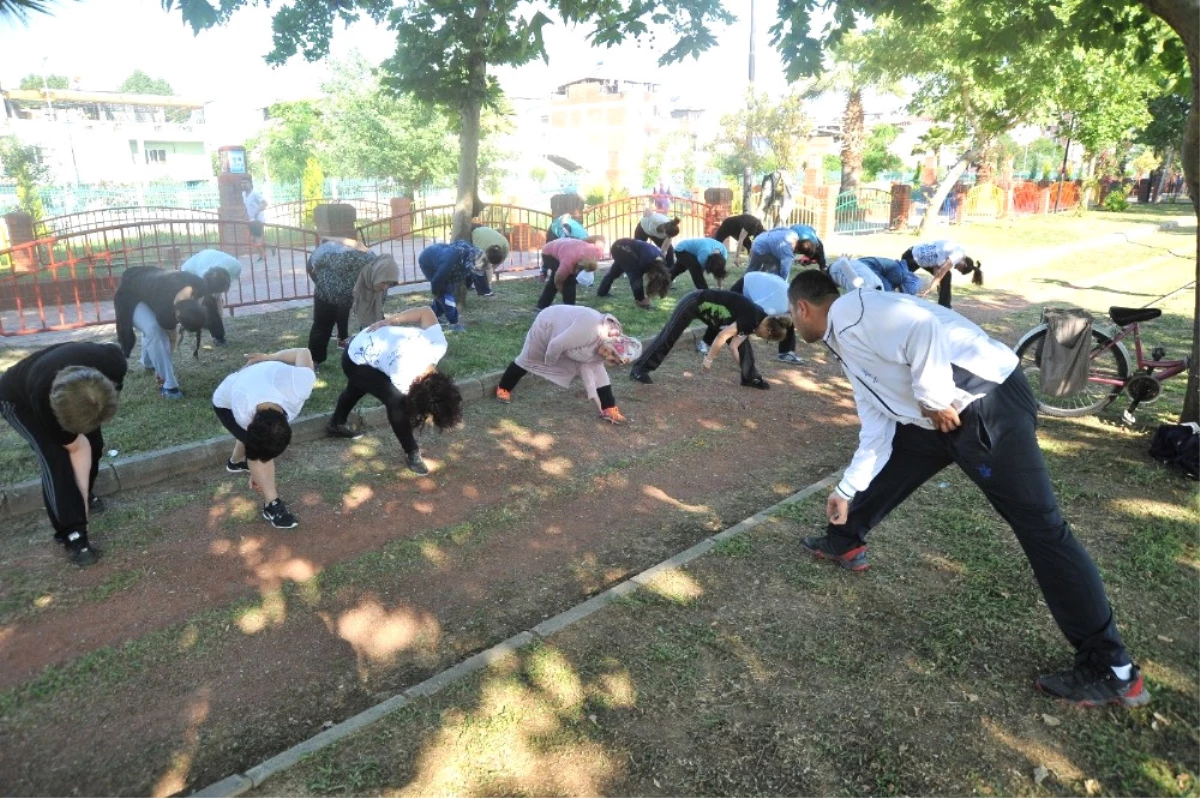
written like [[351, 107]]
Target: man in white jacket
[[932, 389]]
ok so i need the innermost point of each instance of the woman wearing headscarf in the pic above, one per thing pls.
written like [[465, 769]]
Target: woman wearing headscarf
[[569, 341], [371, 287]]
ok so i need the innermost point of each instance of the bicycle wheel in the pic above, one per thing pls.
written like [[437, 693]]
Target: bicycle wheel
[[1108, 362]]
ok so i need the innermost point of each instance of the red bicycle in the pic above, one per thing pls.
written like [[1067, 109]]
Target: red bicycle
[[1109, 374]]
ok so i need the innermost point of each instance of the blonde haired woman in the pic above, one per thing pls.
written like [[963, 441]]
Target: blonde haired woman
[[56, 399]]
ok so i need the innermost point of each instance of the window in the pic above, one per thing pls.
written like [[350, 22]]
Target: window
[[156, 156]]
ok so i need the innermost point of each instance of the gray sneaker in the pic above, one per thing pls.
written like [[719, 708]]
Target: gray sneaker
[[702, 347], [790, 357]]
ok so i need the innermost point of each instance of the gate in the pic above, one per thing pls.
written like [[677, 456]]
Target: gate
[[619, 218], [984, 203], [862, 210], [113, 217]]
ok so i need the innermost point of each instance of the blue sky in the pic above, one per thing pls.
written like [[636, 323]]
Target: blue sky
[[103, 41]]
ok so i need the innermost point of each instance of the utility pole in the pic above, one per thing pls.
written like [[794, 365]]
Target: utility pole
[[747, 175]]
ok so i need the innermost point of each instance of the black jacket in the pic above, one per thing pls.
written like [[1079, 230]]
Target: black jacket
[[155, 287]]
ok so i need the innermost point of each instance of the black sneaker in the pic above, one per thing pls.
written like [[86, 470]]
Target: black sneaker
[[240, 467], [79, 551], [641, 376], [757, 382], [820, 548], [96, 505], [277, 513], [416, 464], [342, 431], [1090, 685]]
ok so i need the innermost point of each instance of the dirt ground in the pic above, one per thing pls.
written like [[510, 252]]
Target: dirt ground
[[205, 641]]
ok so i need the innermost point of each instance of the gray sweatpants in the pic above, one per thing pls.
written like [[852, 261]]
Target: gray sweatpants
[[156, 346]]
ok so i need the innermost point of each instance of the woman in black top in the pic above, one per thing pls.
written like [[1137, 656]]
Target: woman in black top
[[731, 318], [56, 399], [642, 263], [744, 227], [156, 302]]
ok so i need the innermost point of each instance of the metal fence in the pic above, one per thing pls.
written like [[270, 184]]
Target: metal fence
[[862, 211], [111, 217], [619, 218]]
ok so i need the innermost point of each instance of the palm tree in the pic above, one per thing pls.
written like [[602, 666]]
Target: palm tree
[[20, 10], [855, 69]]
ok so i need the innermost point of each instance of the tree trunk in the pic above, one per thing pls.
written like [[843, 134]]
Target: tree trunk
[[468, 170], [943, 191], [853, 141], [1184, 18], [1168, 159]]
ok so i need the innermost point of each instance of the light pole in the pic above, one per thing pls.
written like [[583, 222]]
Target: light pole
[[1068, 118], [747, 175]]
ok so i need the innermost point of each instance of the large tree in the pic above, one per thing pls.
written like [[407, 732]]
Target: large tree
[[779, 126], [444, 48], [289, 141]]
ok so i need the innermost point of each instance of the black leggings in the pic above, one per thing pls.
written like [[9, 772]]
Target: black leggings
[[685, 313], [943, 286], [325, 316], [625, 262], [64, 504], [997, 448], [362, 380], [687, 262], [225, 416], [513, 374], [550, 265], [788, 344]]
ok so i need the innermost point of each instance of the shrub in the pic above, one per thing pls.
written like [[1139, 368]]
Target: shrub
[[1115, 201]]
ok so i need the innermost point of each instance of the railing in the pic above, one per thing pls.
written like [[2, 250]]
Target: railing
[[862, 211], [805, 210], [1026, 198], [66, 282], [299, 213], [619, 218], [109, 217], [984, 203], [1063, 197]]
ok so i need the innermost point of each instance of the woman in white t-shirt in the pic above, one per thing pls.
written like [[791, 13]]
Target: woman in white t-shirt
[[257, 405], [395, 361], [937, 258]]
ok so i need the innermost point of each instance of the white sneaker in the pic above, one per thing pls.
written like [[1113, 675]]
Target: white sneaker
[[790, 357], [702, 347]]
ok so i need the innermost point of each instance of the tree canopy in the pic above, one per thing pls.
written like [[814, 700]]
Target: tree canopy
[[36, 82], [141, 83]]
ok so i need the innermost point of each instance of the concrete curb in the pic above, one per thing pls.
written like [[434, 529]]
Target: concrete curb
[[148, 468], [240, 783]]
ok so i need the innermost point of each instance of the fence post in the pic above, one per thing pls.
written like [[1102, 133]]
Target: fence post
[[335, 221], [1043, 206], [827, 202], [401, 222], [901, 205], [20, 231]]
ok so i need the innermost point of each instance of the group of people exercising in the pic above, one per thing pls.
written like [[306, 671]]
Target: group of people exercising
[[921, 375]]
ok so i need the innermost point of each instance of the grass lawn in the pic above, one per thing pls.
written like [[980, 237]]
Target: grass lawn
[[755, 670]]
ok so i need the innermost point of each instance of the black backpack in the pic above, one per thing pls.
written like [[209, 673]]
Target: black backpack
[[1178, 445]]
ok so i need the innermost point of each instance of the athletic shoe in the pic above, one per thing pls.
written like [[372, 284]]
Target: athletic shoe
[[488, 295], [790, 357], [79, 551], [171, 393], [1091, 685], [96, 505], [820, 548], [757, 382], [456, 328], [641, 376], [221, 342], [342, 431], [502, 396], [702, 347], [416, 464], [614, 416], [644, 304], [277, 513], [240, 467]]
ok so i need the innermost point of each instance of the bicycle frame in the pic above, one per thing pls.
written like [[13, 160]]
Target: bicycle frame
[[1166, 368]]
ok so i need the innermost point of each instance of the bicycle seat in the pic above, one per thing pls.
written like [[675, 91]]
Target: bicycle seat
[[1125, 316]]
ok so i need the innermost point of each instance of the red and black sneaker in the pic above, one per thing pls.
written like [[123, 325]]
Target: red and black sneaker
[[820, 548], [1092, 685]]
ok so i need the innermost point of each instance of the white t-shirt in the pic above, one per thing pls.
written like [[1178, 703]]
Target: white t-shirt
[[206, 259], [850, 274], [768, 291], [402, 353], [255, 205], [270, 381], [932, 254]]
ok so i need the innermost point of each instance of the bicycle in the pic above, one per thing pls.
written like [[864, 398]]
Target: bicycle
[[1109, 372]]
